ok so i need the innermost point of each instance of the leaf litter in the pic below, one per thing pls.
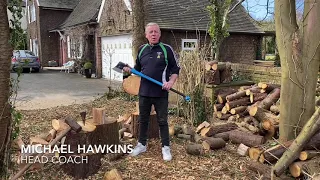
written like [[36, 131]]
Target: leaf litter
[[223, 164]]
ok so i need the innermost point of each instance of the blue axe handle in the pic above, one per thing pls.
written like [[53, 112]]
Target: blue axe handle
[[187, 98]]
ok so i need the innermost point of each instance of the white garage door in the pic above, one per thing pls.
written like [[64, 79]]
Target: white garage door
[[115, 49]]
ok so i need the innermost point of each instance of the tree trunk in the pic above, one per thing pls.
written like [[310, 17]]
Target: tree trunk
[[138, 37], [299, 64], [5, 117]]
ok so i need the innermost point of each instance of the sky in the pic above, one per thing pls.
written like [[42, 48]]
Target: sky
[[264, 9]]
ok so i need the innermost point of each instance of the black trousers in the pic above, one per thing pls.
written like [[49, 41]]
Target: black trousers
[[161, 108]]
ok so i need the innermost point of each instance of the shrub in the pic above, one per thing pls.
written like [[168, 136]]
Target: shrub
[[87, 65]]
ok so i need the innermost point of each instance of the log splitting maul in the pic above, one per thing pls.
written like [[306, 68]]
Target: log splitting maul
[[119, 67], [73, 125]]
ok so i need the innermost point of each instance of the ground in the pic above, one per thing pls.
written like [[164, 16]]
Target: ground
[[37, 115]]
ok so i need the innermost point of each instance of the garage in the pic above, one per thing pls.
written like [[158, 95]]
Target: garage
[[115, 49]]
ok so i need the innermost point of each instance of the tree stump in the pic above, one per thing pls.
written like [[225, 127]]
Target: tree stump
[[153, 130], [92, 134]]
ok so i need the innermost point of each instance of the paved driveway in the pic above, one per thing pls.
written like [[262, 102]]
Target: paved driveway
[[53, 88]]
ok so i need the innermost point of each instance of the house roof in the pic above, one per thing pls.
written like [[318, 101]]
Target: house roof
[[85, 12], [192, 15], [59, 4]]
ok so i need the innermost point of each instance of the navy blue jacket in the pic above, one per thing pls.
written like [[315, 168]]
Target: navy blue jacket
[[152, 63]]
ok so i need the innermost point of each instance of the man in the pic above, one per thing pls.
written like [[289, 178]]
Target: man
[[158, 61]]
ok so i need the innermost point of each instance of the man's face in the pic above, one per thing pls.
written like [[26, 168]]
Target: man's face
[[153, 34]]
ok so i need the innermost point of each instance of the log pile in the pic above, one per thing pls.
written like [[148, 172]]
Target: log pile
[[255, 109], [217, 73]]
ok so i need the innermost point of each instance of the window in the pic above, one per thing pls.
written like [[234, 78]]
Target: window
[[32, 13], [189, 44], [75, 47]]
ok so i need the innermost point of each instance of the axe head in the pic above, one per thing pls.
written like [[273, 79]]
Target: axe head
[[120, 66]]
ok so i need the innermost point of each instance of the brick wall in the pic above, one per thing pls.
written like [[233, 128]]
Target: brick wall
[[98, 57], [49, 42], [238, 48], [257, 73]]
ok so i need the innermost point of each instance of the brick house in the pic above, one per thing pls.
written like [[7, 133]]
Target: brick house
[[44, 15], [182, 23]]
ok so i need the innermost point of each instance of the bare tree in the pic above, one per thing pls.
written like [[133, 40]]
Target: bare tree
[[299, 53]]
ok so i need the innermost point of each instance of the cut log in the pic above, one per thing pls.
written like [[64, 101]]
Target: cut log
[[232, 119], [223, 135], [262, 115], [210, 131], [197, 138], [243, 114], [235, 96], [225, 117], [38, 140], [48, 136], [174, 130], [255, 153], [209, 64], [122, 131], [219, 66], [226, 74], [272, 98], [242, 88], [309, 129], [249, 127], [187, 130], [18, 143], [202, 125], [213, 143], [275, 109], [243, 150], [272, 154], [88, 126], [212, 77], [310, 167], [184, 136], [218, 107], [238, 137], [114, 174], [254, 89], [263, 170], [238, 109], [222, 97], [131, 85], [153, 130], [270, 87], [98, 115], [59, 125], [239, 102], [224, 110], [127, 135], [254, 97], [308, 154], [194, 149]]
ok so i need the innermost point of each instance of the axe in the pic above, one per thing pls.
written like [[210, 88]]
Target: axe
[[119, 67]]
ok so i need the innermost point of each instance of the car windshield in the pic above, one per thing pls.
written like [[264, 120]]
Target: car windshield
[[23, 53]]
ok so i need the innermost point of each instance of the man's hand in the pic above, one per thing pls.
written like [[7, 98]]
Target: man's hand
[[167, 85], [127, 69]]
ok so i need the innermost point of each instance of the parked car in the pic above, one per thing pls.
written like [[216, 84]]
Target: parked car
[[25, 59]]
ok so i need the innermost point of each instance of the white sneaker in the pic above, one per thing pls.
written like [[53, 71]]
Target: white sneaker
[[166, 153], [138, 149]]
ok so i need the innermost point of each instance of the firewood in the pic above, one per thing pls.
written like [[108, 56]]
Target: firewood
[[254, 97], [131, 84], [262, 85], [121, 132], [87, 127], [270, 99], [210, 131], [127, 135], [270, 87], [222, 97], [202, 125], [243, 150], [310, 167], [272, 154], [18, 143], [275, 109], [213, 143], [225, 116], [239, 102], [197, 138], [249, 127], [242, 114], [38, 140], [238, 109], [98, 115], [48, 136], [262, 169], [224, 110], [232, 118], [242, 88], [254, 89], [223, 135], [114, 174], [208, 65], [226, 74], [174, 130], [218, 107], [153, 130], [238, 137], [184, 136], [219, 66], [187, 130], [59, 125], [195, 149], [308, 154], [235, 96], [219, 114], [262, 114], [255, 152]]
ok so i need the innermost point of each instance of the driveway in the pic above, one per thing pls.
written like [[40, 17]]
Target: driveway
[[54, 88]]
